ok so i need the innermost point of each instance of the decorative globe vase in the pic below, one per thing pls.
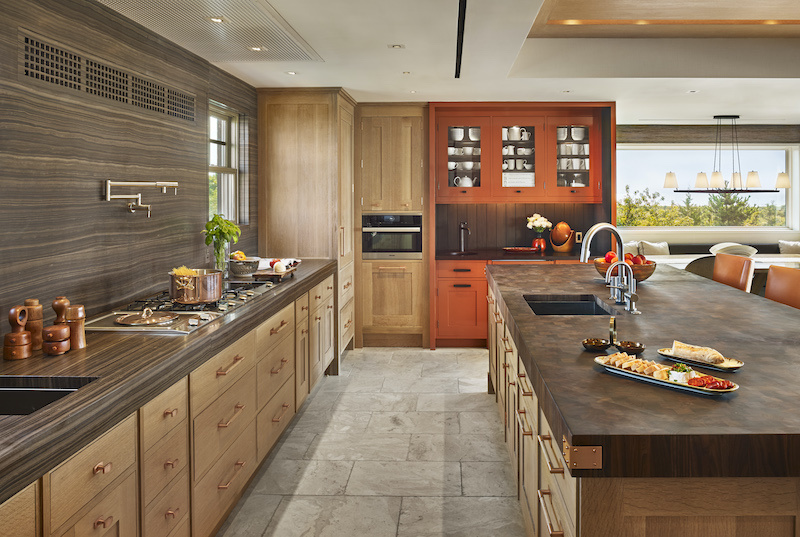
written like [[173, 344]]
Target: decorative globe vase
[[539, 243]]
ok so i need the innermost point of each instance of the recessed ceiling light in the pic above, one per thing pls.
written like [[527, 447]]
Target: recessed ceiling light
[[216, 19], [413, 91], [566, 91], [257, 49], [692, 91], [406, 72], [396, 46], [291, 72]]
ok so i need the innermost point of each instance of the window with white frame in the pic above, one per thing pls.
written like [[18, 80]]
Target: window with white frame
[[223, 158], [644, 204]]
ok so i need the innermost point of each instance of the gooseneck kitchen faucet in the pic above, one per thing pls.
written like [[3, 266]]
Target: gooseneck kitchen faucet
[[623, 286], [462, 228]]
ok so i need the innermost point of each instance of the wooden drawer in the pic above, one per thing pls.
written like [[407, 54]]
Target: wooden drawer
[[271, 332], [528, 473], [114, 514], [273, 370], [346, 283], [320, 292], [163, 462], [222, 422], [80, 478], [222, 485], [169, 510], [300, 309], [164, 413], [18, 514], [274, 418], [218, 374], [552, 465], [461, 269], [553, 513], [347, 325]]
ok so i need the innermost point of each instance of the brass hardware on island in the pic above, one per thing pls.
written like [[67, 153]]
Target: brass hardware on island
[[522, 420], [285, 407], [103, 522], [237, 411], [284, 361], [239, 465], [550, 530], [550, 466], [236, 360], [273, 331], [529, 391], [170, 463], [171, 413], [171, 513], [582, 457], [136, 204], [101, 468]]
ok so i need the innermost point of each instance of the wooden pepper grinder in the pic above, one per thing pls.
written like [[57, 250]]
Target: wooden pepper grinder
[[17, 344], [76, 317], [35, 322], [60, 307]]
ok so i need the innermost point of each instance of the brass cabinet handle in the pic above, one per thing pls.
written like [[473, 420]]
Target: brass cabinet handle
[[236, 360], [550, 530], [506, 345], [172, 463], [553, 469], [284, 361], [317, 297], [236, 413], [497, 318], [348, 284], [171, 413], [101, 468], [341, 241], [304, 331], [329, 287], [273, 331], [277, 419], [104, 522], [239, 465], [489, 299], [171, 513], [525, 393], [522, 420], [348, 323], [330, 307], [303, 308], [317, 318]]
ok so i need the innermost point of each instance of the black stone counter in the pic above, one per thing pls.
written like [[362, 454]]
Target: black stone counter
[[132, 369], [652, 431], [498, 254]]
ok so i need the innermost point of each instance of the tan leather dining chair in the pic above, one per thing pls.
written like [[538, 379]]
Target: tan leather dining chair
[[783, 285], [734, 270]]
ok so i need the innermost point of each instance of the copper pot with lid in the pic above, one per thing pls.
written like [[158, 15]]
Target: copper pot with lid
[[204, 286]]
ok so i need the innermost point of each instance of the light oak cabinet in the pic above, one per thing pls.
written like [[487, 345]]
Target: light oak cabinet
[[302, 357], [392, 296], [392, 165], [96, 488], [19, 515]]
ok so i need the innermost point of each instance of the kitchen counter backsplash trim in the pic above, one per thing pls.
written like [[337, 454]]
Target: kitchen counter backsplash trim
[[133, 368]]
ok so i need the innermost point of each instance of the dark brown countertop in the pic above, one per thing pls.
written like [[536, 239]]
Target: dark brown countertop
[[133, 368], [647, 430], [498, 254]]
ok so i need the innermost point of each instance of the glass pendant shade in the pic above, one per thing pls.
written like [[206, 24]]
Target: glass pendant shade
[[670, 180], [702, 180], [716, 180], [736, 180], [752, 180], [783, 181]]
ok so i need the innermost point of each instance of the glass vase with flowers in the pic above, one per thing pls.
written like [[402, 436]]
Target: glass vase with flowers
[[539, 224]]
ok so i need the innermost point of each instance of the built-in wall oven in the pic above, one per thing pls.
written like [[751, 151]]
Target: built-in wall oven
[[391, 236]]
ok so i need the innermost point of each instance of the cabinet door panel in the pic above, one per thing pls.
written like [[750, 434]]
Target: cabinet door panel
[[392, 295], [18, 515], [461, 312], [461, 174], [574, 158], [345, 233], [518, 174], [301, 363]]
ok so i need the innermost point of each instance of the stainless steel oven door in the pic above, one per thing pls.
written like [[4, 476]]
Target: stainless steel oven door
[[391, 242]]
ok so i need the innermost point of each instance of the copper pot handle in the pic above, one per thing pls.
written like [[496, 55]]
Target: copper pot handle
[[184, 282]]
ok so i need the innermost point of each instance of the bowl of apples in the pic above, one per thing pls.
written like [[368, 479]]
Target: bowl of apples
[[643, 268]]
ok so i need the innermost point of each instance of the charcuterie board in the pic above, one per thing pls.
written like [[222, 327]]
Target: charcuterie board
[[625, 372]]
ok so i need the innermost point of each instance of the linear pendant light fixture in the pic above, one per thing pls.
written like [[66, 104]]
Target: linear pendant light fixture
[[462, 15], [717, 183]]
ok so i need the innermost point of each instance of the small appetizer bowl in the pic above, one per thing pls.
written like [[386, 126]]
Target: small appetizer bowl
[[631, 347], [596, 344]]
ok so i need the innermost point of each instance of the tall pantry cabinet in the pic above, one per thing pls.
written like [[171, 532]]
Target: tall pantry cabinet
[[305, 186]]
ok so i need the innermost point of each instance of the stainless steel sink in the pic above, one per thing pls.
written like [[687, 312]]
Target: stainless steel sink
[[567, 305], [26, 394]]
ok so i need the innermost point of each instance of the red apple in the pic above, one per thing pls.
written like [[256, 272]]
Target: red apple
[[638, 260], [628, 255], [648, 262], [611, 257], [272, 263]]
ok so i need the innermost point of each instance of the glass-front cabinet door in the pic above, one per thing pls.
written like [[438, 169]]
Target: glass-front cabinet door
[[518, 173], [575, 159], [462, 158]]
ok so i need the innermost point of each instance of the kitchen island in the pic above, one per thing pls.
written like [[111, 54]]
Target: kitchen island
[[132, 369], [667, 458]]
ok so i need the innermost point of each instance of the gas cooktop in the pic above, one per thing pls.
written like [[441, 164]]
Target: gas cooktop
[[188, 317]]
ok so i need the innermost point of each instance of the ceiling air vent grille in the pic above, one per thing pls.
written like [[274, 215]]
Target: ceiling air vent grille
[[51, 64], [57, 64], [106, 81]]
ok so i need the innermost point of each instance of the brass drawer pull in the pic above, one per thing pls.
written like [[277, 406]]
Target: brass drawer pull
[[171, 413], [550, 530], [285, 407], [239, 465], [489, 299], [317, 297], [497, 318], [237, 411], [550, 467], [525, 393], [330, 307], [101, 468], [236, 360], [172, 463], [348, 323], [303, 308], [317, 318], [506, 345], [273, 331], [522, 419], [348, 284], [172, 513], [104, 522], [304, 331], [284, 361]]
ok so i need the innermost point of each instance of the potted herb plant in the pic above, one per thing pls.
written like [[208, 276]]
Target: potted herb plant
[[220, 232]]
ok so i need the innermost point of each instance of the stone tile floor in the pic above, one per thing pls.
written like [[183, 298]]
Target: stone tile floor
[[404, 442]]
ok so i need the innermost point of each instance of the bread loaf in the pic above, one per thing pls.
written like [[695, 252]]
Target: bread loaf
[[698, 354]]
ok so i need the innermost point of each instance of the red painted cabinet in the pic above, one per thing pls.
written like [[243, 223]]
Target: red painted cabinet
[[462, 158], [461, 290]]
